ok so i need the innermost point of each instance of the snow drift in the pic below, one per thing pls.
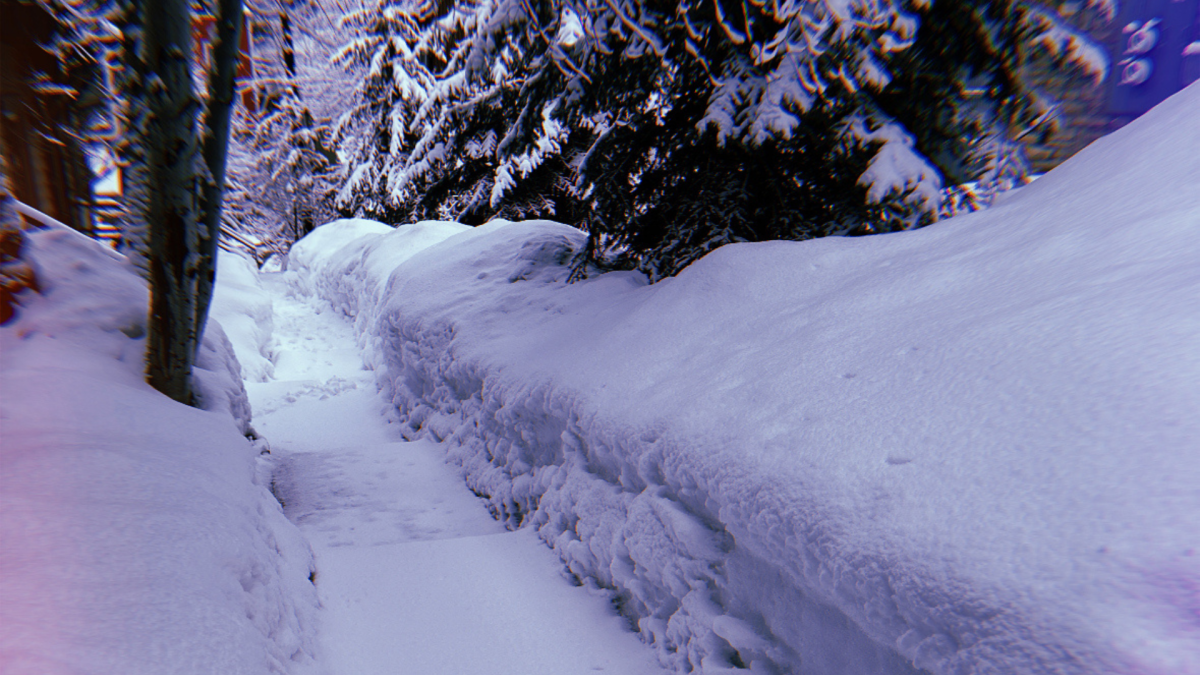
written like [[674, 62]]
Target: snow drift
[[133, 538], [244, 312], [964, 449]]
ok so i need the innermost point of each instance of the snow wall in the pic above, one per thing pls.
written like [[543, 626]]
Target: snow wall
[[137, 535], [969, 448], [245, 313]]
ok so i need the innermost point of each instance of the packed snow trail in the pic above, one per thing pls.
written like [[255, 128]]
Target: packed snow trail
[[414, 575]]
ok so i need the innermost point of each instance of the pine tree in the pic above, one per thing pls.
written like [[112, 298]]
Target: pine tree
[[297, 160], [285, 166], [667, 129], [414, 101], [805, 118]]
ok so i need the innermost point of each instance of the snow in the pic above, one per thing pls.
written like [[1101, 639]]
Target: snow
[[217, 379], [547, 142], [965, 448], [1061, 39], [353, 276], [133, 535], [109, 183], [896, 167], [410, 567], [243, 310]]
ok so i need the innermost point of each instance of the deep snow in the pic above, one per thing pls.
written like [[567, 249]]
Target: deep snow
[[966, 449], [138, 535], [413, 573], [134, 537]]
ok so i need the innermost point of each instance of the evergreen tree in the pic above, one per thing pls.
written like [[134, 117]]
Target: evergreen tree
[[667, 129], [286, 169], [298, 157], [414, 101]]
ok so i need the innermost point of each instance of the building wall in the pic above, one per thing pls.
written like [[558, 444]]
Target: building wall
[[41, 127]]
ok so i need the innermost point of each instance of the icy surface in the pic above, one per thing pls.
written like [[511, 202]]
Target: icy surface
[[133, 537], [965, 449], [413, 573]]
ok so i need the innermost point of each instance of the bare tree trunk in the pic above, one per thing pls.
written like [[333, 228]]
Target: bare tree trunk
[[216, 139], [171, 214], [174, 187]]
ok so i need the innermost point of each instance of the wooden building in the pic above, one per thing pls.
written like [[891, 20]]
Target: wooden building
[[44, 113], [51, 113]]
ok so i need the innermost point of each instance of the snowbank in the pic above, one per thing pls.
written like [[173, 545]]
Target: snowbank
[[348, 261], [217, 378], [963, 449], [243, 309], [134, 536]]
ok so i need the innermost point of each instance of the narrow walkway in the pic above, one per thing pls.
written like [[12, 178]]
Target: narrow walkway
[[414, 575]]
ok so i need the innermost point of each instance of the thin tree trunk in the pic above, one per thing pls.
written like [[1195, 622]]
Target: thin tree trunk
[[289, 52], [216, 139], [131, 148]]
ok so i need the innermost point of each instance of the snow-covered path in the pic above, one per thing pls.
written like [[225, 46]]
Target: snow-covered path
[[413, 573]]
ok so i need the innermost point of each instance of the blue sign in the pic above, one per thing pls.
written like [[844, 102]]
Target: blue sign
[[1157, 53]]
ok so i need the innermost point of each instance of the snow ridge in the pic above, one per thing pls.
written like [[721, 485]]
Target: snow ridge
[[138, 534], [621, 507], [961, 449]]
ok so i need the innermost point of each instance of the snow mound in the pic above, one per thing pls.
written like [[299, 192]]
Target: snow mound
[[244, 311], [217, 378], [313, 252], [963, 449], [134, 537], [348, 262]]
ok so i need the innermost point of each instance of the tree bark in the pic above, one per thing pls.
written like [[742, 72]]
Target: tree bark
[[216, 140], [171, 210], [175, 182]]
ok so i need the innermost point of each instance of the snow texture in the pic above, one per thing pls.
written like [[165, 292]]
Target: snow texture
[[353, 276], [967, 448], [133, 536], [217, 378], [897, 167], [411, 569], [244, 312]]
